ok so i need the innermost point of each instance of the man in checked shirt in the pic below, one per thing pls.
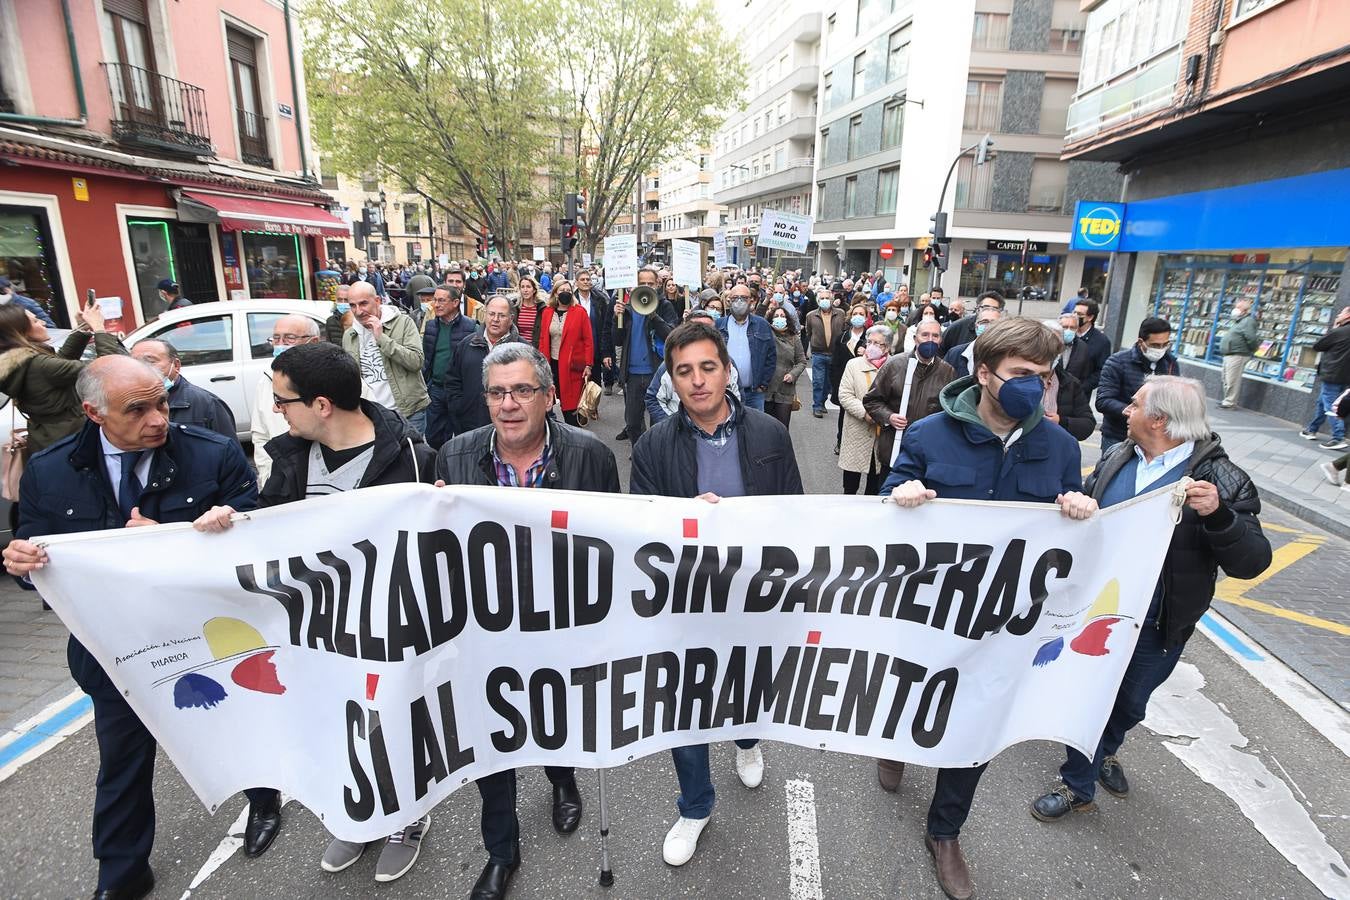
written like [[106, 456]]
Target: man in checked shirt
[[523, 447]]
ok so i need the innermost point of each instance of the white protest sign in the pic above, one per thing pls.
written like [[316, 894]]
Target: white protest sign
[[111, 307], [443, 259], [370, 652], [539, 254], [720, 248], [685, 257], [621, 261], [586, 260], [784, 231]]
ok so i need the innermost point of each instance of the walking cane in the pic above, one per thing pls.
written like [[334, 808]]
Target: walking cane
[[606, 873]]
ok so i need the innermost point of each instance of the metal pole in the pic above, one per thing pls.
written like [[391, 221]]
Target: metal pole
[[606, 873], [1021, 295]]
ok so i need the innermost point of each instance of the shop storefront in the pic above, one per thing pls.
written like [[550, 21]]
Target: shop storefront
[[1003, 266], [1293, 294], [28, 258]]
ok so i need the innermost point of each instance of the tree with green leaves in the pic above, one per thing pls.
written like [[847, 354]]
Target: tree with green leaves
[[640, 80], [449, 96]]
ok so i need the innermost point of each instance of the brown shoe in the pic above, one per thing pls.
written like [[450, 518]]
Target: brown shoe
[[889, 773], [952, 873]]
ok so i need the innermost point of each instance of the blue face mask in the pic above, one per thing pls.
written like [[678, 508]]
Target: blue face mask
[[1069, 335], [278, 349], [168, 384], [1021, 396], [715, 313], [343, 308], [858, 321], [929, 349]]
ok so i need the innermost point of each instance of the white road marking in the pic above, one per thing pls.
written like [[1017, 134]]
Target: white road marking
[[39, 733], [233, 840], [1293, 690], [1210, 746], [803, 846]]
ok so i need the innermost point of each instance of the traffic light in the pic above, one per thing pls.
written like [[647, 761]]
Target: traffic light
[[570, 207], [569, 239], [481, 244], [580, 211], [940, 257], [982, 151], [939, 229], [928, 256], [839, 248]]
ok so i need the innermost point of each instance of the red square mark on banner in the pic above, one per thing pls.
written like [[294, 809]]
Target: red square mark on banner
[[372, 682], [813, 637], [560, 518], [691, 528]]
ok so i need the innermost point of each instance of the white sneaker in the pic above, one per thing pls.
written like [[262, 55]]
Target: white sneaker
[[682, 840], [1332, 473], [750, 766]]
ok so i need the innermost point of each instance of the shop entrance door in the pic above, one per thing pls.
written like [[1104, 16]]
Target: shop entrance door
[[196, 262]]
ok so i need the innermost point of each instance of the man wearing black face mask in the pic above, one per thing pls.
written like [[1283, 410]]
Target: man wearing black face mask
[[926, 373], [990, 442]]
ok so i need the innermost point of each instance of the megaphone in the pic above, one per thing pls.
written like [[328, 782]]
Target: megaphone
[[644, 299]]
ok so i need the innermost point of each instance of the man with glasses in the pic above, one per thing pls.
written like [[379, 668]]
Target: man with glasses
[[523, 447], [962, 330], [464, 383], [268, 422], [335, 441], [991, 441], [962, 357]]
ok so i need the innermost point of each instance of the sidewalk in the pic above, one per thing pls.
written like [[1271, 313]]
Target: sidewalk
[[1286, 468]]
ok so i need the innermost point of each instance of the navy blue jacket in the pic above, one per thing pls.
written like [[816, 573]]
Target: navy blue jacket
[[763, 349], [953, 453], [1122, 376], [461, 328], [66, 490], [1087, 357], [192, 405], [956, 358]]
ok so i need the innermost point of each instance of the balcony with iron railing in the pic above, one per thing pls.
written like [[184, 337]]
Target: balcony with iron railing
[[253, 138], [154, 112]]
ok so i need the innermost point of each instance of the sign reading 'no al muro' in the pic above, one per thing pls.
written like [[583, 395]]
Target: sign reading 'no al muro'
[[394, 643]]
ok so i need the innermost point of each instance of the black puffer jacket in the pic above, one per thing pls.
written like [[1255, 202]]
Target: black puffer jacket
[[665, 460], [1230, 538], [401, 456], [578, 461], [1075, 414]]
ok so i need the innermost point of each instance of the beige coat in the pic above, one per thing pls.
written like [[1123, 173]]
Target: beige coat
[[857, 447]]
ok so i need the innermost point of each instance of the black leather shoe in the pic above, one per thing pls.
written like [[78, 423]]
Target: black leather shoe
[[1112, 777], [132, 890], [566, 807], [264, 821], [622, 435], [491, 885], [1059, 803]]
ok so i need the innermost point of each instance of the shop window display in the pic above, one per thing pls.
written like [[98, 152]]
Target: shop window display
[[1293, 292]]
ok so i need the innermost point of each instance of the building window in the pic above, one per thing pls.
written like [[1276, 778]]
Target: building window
[[850, 196], [248, 108], [370, 184], [897, 54], [782, 111], [825, 91], [824, 146], [991, 32], [870, 12], [1066, 40], [984, 106], [273, 262], [411, 225], [888, 186], [974, 184], [329, 179], [854, 136], [1055, 100], [1247, 7], [892, 124], [27, 258], [1049, 178], [780, 157], [859, 75]]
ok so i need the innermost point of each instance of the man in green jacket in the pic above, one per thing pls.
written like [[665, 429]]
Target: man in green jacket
[[388, 347], [1238, 345]]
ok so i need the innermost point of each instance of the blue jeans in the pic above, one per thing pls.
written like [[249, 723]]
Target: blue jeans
[[418, 420], [1328, 394], [439, 428], [1108, 443], [820, 380], [696, 788], [752, 399], [1149, 667]]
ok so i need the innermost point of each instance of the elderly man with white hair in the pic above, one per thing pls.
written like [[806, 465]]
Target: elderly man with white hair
[[1168, 440], [267, 421]]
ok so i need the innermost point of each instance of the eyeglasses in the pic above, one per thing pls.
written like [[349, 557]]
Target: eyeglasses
[[288, 340], [523, 393], [282, 401]]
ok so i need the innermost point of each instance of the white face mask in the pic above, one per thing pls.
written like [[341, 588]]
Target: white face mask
[[1153, 354]]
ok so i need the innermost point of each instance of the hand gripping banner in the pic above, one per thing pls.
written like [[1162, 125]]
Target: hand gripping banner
[[369, 653]]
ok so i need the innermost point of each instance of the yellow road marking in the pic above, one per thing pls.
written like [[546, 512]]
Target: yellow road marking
[[1234, 590]]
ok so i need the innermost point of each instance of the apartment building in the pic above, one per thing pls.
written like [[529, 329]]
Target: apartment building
[[1230, 121], [904, 87], [764, 155], [685, 200], [151, 139]]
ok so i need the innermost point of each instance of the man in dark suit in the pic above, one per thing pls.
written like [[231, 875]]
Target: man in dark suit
[[127, 467], [596, 301], [1090, 348], [962, 331]]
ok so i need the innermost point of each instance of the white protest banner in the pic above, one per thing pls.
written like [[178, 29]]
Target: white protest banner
[[685, 260], [720, 248], [784, 231], [540, 254], [370, 652], [586, 260], [621, 262]]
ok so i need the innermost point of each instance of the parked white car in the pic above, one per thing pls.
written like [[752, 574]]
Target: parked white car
[[225, 346]]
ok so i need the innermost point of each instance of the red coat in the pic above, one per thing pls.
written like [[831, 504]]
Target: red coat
[[577, 352]]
